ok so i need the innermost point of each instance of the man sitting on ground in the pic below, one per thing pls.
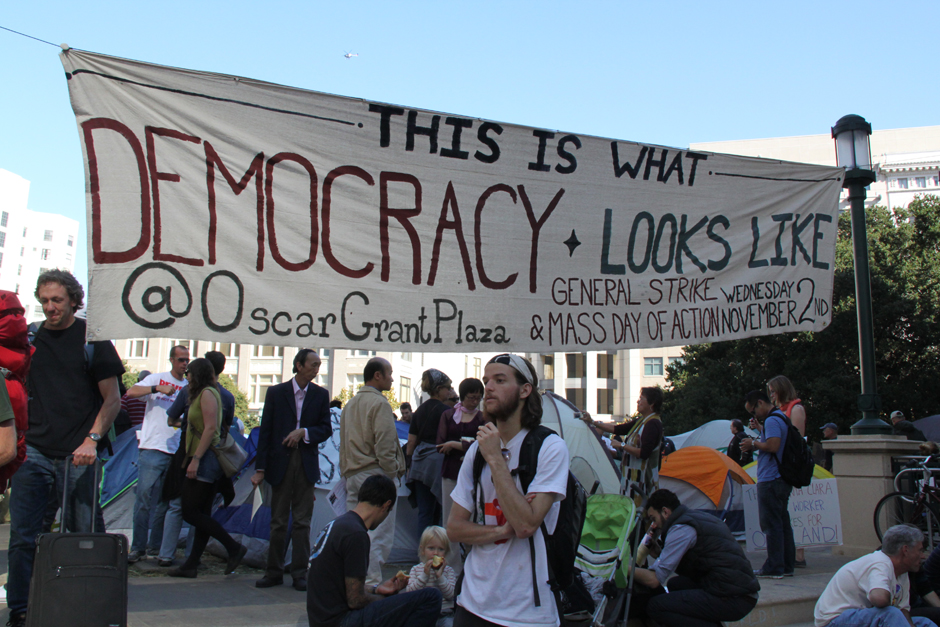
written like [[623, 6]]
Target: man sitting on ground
[[710, 579], [874, 590], [339, 562]]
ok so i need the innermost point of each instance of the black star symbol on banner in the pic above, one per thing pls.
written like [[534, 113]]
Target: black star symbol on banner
[[572, 243]]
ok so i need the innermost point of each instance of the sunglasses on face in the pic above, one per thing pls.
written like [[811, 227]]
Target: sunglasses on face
[[183, 360]]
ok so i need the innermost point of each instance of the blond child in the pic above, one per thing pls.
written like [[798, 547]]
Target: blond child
[[432, 548]]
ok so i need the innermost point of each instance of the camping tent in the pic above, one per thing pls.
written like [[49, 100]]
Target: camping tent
[[248, 517], [930, 427], [590, 460], [818, 472], [705, 479], [715, 434]]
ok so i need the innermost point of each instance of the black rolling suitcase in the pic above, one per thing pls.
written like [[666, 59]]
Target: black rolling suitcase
[[79, 579]]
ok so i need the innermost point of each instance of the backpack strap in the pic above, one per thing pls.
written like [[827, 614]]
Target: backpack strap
[[787, 425], [526, 469]]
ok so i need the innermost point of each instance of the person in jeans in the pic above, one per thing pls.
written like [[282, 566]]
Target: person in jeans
[[73, 400], [157, 442], [874, 590], [709, 576], [339, 563], [773, 493]]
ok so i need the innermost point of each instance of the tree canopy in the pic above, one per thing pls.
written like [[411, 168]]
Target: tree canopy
[[904, 253]]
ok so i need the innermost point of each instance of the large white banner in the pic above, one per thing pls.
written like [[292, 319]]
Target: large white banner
[[231, 209]]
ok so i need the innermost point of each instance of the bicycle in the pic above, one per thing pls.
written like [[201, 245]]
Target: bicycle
[[920, 508]]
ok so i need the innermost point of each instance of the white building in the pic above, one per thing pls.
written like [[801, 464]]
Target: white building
[[906, 160], [256, 368], [30, 242]]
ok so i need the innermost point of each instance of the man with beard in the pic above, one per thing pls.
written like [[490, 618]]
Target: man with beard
[[496, 518]]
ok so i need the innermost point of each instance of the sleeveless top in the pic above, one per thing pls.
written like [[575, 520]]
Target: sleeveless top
[[640, 477], [197, 422]]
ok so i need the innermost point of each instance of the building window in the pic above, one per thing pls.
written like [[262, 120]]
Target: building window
[[187, 344], [676, 360], [137, 348], [406, 356], [267, 351], [22, 250], [605, 401], [575, 396], [37, 310], [45, 254], [19, 270], [920, 181], [404, 389], [71, 240], [902, 183], [24, 231], [355, 381], [575, 363], [364, 353], [935, 180], [653, 366], [476, 367], [605, 367], [548, 369], [227, 349], [68, 257], [3, 238], [260, 384], [4, 217], [47, 236]]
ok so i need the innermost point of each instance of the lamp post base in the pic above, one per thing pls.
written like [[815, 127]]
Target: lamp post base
[[871, 426]]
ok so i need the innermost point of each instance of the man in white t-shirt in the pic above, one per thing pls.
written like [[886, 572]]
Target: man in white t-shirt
[[157, 441], [499, 586], [874, 589]]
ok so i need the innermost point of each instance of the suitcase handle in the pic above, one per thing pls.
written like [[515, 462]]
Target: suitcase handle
[[96, 493]]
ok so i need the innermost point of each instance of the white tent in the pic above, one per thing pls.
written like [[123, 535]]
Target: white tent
[[248, 518], [590, 460], [715, 434]]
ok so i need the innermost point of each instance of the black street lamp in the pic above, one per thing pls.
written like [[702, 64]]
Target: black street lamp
[[853, 152]]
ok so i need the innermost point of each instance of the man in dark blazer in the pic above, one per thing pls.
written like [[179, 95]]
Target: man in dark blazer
[[295, 420]]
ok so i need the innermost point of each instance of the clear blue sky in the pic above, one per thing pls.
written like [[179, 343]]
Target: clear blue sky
[[669, 73]]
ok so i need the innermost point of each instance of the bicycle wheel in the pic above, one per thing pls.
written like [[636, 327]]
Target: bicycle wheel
[[898, 508]]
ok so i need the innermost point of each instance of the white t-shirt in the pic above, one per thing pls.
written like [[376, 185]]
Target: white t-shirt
[[154, 432], [849, 587], [497, 584]]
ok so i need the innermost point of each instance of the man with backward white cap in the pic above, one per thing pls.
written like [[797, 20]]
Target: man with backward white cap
[[493, 592]]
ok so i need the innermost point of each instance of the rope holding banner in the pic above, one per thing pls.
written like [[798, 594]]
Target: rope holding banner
[[64, 46]]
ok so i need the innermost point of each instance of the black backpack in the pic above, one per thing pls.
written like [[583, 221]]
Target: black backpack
[[796, 463], [561, 547]]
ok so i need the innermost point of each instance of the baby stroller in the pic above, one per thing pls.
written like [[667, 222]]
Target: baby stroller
[[607, 550]]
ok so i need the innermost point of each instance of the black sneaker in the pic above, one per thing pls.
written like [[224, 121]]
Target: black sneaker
[[17, 620]]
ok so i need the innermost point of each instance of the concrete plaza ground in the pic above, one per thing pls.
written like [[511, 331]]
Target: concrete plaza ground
[[215, 600]]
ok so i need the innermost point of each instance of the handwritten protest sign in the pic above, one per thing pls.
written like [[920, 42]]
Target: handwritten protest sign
[[814, 516], [228, 208]]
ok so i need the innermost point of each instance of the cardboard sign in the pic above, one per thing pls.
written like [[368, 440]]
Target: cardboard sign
[[227, 208], [814, 516]]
